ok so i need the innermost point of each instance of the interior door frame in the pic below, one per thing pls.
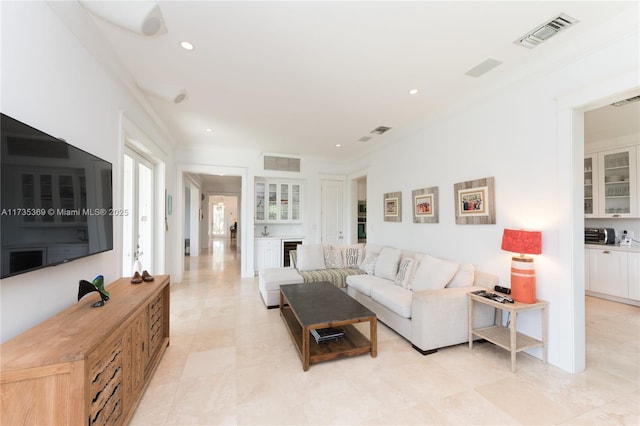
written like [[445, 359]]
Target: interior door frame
[[570, 136], [245, 210]]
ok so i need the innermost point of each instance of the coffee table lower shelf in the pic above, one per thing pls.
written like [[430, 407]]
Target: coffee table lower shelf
[[353, 342]]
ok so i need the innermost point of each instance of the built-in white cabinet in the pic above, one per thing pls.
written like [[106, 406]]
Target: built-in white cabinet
[[633, 262], [612, 272], [608, 272], [267, 253], [279, 202], [611, 183]]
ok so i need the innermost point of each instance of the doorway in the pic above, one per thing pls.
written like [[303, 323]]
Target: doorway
[[362, 209], [570, 133], [223, 216]]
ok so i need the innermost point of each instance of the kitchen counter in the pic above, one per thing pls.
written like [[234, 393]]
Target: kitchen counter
[[633, 249]]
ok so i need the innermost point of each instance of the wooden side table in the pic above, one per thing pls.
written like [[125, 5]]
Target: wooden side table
[[508, 337]]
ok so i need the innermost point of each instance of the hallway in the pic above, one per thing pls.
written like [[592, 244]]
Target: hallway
[[231, 361]]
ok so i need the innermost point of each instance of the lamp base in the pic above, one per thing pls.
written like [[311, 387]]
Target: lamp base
[[523, 280]]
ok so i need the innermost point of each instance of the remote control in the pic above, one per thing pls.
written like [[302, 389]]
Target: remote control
[[508, 299], [503, 290]]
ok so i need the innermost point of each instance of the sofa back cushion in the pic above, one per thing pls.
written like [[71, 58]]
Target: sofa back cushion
[[433, 273], [310, 257], [464, 277], [387, 263]]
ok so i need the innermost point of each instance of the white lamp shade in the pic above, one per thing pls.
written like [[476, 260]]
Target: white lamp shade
[[142, 17]]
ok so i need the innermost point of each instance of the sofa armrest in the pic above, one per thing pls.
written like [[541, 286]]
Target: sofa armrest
[[439, 318]]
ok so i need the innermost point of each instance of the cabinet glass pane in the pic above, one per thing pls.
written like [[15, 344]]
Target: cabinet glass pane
[[83, 197], [46, 196], [28, 196], [67, 200], [284, 201], [295, 202], [273, 201], [588, 185], [617, 197], [260, 201]]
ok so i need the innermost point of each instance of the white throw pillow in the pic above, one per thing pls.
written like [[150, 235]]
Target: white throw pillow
[[464, 277], [368, 265], [387, 263], [333, 259], [352, 256], [310, 257], [433, 273], [406, 271]]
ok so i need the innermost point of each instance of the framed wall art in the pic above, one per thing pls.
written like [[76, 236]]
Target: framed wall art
[[425, 205], [393, 207], [475, 202]]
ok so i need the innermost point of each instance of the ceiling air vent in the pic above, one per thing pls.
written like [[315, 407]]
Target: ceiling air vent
[[365, 139], [380, 130], [626, 101], [546, 31], [483, 68], [281, 164]]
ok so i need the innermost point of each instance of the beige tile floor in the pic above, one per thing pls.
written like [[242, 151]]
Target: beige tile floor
[[231, 361]]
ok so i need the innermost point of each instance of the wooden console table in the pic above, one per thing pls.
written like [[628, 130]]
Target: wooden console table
[[87, 365], [508, 337]]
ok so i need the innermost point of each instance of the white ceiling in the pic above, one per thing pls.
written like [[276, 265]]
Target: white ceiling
[[300, 77], [612, 122]]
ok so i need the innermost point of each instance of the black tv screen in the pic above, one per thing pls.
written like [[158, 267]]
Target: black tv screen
[[55, 200]]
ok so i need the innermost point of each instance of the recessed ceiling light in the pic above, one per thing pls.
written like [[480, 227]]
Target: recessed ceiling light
[[413, 91], [186, 45], [209, 130], [338, 145]]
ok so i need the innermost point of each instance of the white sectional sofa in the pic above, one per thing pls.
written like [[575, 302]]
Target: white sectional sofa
[[421, 297]]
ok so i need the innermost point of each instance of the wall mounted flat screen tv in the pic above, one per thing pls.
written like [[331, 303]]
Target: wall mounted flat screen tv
[[55, 200]]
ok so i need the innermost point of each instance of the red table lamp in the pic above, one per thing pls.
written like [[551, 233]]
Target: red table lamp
[[523, 273]]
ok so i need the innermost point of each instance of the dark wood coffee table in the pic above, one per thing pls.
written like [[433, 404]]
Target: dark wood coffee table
[[305, 307]]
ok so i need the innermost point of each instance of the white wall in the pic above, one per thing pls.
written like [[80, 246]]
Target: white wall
[[51, 82], [513, 137]]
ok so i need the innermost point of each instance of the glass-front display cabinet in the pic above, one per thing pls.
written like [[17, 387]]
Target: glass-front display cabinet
[[590, 185], [618, 183], [278, 202]]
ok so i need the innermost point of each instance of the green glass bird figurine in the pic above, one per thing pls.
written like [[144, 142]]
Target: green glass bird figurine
[[86, 287]]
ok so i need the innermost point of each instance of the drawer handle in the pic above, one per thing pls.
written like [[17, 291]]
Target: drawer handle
[[606, 252]]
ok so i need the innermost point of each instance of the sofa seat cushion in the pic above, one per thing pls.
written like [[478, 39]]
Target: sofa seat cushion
[[337, 277], [394, 297], [271, 278], [364, 283]]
